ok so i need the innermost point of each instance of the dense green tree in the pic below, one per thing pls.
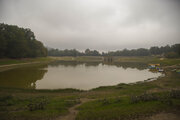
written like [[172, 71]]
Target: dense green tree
[[165, 49], [155, 50], [3, 46], [87, 51], [141, 52], [176, 48], [19, 43]]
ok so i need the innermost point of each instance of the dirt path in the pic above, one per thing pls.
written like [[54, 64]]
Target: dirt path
[[73, 111]]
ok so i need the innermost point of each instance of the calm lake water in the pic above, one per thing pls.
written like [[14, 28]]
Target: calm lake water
[[83, 76]]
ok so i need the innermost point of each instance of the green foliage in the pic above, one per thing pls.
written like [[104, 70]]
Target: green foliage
[[171, 55], [146, 52], [176, 48], [34, 107], [155, 50], [122, 108], [7, 61], [163, 50], [175, 94], [133, 52], [162, 97], [73, 52], [144, 97], [19, 43], [38, 105]]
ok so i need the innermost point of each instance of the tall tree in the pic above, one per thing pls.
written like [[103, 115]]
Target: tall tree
[[19, 43]]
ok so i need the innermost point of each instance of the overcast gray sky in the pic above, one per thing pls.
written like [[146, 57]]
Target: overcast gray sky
[[96, 24]]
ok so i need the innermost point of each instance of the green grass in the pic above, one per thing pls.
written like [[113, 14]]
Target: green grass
[[25, 60], [16, 107], [122, 108], [149, 59], [170, 61]]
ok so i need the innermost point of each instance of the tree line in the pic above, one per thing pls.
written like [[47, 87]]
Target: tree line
[[18, 42], [166, 51], [72, 52]]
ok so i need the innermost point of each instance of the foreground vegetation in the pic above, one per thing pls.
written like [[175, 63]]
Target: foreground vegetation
[[126, 108], [130, 101], [123, 101], [30, 105]]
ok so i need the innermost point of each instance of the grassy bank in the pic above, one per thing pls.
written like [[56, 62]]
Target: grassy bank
[[123, 108], [24, 60], [122, 101], [133, 101], [17, 104], [146, 60], [149, 59]]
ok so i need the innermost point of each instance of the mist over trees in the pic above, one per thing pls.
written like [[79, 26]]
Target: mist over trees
[[166, 51], [18, 42]]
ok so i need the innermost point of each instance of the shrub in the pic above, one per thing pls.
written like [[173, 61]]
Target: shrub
[[144, 97], [171, 55], [37, 105], [174, 94]]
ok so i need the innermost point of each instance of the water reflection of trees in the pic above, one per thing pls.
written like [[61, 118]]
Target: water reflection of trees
[[24, 77], [72, 63], [64, 63], [88, 64], [124, 65]]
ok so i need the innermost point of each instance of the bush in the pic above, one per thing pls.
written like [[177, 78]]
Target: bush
[[144, 98], [165, 98], [171, 55], [37, 105], [175, 94]]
